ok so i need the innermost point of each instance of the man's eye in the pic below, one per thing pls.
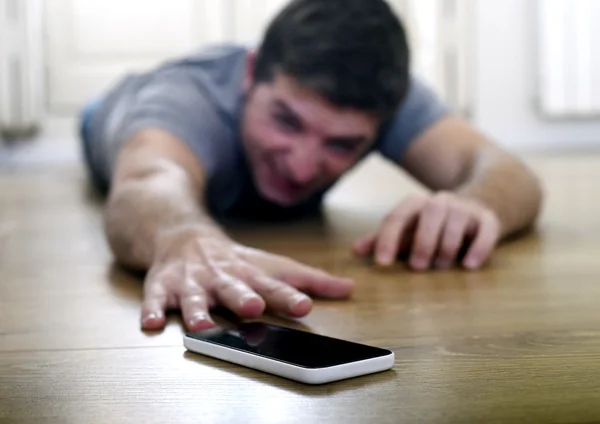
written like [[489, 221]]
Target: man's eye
[[342, 147], [287, 123]]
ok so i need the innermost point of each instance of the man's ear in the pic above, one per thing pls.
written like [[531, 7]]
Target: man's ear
[[249, 75]]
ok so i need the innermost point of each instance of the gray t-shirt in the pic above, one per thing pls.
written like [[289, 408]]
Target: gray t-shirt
[[199, 99]]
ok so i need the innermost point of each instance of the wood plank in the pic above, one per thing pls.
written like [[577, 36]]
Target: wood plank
[[540, 379]]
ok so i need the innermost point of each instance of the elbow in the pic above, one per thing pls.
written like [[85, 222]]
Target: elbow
[[537, 197], [532, 197]]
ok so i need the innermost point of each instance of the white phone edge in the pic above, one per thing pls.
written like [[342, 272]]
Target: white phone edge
[[312, 376]]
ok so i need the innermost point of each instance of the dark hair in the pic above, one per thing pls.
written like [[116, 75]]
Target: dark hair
[[354, 53]]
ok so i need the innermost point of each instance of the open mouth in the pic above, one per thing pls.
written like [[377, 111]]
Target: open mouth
[[281, 187]]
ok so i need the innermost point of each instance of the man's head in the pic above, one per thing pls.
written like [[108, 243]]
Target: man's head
[[327, 75]]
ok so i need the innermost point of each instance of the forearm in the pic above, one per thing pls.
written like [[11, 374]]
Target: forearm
[[142, 208], [157, 188], [507, 186]]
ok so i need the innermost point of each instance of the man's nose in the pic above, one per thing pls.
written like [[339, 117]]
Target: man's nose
[[304, 165]]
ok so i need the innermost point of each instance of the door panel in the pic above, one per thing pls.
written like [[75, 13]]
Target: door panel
[[93, 42], [251, 17]]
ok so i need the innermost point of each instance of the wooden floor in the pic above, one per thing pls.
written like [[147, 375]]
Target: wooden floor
[[516, 342]]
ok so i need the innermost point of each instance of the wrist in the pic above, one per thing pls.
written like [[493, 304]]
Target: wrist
[[181, 233]]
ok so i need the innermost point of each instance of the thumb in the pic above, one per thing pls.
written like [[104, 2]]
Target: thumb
[[316, 281], [302, 277], [365, 244], [154, 303]]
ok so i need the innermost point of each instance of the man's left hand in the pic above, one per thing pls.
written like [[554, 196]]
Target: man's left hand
[[432, 231]]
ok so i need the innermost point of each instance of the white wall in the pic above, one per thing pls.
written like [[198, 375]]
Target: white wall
[[21, 65], [421, 20], [504, 82]]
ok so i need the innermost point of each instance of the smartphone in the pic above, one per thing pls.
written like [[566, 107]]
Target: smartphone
[[286, 352]]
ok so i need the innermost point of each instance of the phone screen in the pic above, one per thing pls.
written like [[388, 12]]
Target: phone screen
[[289, 345]]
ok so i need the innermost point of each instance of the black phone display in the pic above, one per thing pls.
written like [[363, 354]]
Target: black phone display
[[296, 347]]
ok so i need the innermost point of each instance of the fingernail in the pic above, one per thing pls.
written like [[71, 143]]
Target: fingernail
[[442, 264], [297, 299], [472, 263], [151, 317], [198, 318], [419, 263], [385, 259], [247, 298]]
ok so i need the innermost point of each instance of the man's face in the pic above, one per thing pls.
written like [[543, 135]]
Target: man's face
[[297, 142]]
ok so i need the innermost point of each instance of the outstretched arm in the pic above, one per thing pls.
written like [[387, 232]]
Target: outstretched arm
[[157, 187], [156, 221]]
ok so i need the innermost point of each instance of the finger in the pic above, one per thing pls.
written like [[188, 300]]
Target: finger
[[393, 230], [364, 245], [484, 242], [237, 296], [154, 303], [194, 304], [315, 281], [407, 239], [254, 336], [428, 233], [304, 278], [453, 237], [282, 297]]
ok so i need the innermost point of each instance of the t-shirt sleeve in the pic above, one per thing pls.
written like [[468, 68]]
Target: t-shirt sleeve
[[174, 101], [421, 108]]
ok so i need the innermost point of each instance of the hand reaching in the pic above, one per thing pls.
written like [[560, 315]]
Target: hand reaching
[[195, 272]]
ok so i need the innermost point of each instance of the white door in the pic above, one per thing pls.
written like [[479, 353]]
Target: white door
[[249, 19], [441, 41], [90, 43]]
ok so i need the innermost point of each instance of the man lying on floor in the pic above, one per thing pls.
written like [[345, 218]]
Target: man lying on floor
[[230, 130]]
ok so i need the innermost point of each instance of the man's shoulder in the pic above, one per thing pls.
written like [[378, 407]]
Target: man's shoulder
[[421, 108], [212, 74], [210, 56], [215, 70], [421, 91]]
